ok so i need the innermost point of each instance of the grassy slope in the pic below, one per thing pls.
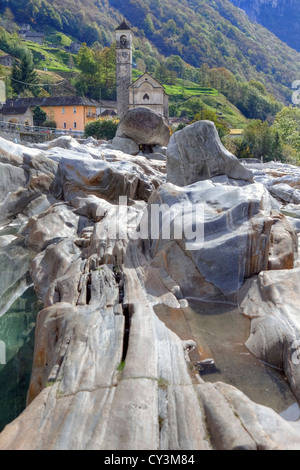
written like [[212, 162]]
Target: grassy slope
[[52, 58], [211, 99]]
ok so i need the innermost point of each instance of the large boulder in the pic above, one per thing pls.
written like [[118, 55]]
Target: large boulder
[[230, 241], [144, 127], [196, 153], [78, 176]]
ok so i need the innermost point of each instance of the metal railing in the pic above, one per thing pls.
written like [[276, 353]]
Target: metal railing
[[26, 129]]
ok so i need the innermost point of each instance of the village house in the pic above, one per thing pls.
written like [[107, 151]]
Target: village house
[[106, 109], [68, 112], [6, 60], [27, 34], [16, 115]]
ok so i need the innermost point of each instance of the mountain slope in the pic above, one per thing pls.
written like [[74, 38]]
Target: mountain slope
[[281, 17], [216, 33], [200, 32]]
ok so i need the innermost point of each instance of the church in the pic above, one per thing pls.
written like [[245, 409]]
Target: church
[[145, 91]]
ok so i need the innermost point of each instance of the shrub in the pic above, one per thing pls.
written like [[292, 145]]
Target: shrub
[[101, 129], [50, 124]]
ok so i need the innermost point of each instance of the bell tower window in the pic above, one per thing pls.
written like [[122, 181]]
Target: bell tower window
[[123, 42], [146, 97]]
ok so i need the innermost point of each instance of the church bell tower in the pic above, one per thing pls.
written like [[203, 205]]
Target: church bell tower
[[124, 66]]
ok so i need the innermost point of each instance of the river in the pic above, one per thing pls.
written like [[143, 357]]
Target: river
[[220, 332], [18, 310]]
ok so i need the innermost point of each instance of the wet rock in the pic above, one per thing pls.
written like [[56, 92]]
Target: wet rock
[[207, 366], [272, 304], [144, 127], [196, 153]]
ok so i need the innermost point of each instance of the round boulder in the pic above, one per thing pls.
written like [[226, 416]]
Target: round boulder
[[144, 127]]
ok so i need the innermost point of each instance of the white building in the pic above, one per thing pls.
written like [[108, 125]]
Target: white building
[[149, 93]]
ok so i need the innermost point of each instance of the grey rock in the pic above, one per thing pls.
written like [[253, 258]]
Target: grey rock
[[125, 145], [56, 223], [272, 304], [144, 127], [236, 423], [91, 388], [233, 230], [196, 153], [11, 179], [78, 176], [285, 192], [284, 244]]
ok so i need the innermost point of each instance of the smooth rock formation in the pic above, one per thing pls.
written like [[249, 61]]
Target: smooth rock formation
[[144, 127], [272, 302], [125, 145], [234, 228], [77, 176], [286, 193], [108, 373], [283, 251], [196, 153], [56, 223]]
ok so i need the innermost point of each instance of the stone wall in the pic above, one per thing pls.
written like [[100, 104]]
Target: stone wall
[[19, 138]]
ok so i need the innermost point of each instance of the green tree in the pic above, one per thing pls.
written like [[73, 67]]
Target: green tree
[[261, 141], [86, 61], [39, 116], [287, 125], [164, 75], [148, 25], [50, 124], [23, 74]]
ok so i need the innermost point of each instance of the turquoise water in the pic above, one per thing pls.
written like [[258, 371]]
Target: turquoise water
[[18, 310], [17, 328]]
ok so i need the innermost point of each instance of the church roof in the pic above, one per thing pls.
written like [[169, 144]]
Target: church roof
[[144, 78], [123, 26]]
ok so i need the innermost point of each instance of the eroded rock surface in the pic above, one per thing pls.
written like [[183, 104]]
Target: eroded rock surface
[[196, 153], [107, 372], [239, 236]]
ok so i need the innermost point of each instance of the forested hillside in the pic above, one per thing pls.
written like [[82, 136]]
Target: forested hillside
[[200, 32], [279, 16]]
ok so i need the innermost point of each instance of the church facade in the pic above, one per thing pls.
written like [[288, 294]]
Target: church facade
[[145, 91]]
